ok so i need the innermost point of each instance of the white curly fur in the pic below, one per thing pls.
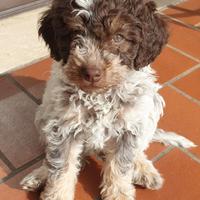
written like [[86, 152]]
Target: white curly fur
[[116, 116], [98, 122], [85, 7], [94, 113], [84, 3]]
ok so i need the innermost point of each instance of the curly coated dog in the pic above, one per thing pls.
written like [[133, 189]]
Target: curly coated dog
[[102, 96]]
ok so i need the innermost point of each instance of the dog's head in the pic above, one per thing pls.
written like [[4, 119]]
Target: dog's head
[[99, 41]]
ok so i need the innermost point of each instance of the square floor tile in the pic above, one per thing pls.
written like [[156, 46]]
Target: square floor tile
[[9, 193], [19, 140], [170, 64], [185, 39], [181, 115], [181, 176], [188, 11], [190, 84], [33, 78]]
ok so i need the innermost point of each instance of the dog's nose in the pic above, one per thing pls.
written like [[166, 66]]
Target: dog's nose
[[91, 74]]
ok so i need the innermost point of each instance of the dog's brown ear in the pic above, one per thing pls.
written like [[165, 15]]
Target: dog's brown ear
[[46, 30], [55, 33], [154, 35]]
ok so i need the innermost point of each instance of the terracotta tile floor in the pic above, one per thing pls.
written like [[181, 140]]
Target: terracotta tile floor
[[178, 68], [188, 11]]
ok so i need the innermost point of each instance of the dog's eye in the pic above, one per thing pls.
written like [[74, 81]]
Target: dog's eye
[[82, 50], [78, 47], [118, 38]]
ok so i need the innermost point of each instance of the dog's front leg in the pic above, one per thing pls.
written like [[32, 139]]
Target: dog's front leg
[[63, 171], [118, 171]]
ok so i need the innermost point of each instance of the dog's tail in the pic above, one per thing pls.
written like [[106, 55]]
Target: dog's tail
[[171, 138]]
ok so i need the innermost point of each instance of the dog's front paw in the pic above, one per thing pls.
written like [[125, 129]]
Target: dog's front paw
[[31, 182], [55, 196], [119, 197], [35, 179], [116, 193], [45, 196], [149, 178]]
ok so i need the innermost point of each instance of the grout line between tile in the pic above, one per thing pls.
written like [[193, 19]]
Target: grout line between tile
[[191, 155], [6, 161], [184, 94], [181, 75], [163, 153], [22, 168], [18, 85], [183, 53], [180, 22]]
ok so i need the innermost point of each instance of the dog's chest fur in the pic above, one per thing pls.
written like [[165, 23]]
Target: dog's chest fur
[[101, 118]]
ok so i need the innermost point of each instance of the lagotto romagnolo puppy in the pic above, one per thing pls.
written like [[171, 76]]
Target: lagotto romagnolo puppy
[[102, 96]]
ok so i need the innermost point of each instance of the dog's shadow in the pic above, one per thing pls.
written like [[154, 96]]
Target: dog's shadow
[[89, 179], [24, 92], [14, 86]]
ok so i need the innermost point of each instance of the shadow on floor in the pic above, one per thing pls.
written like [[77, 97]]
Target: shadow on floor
[[89, 178]]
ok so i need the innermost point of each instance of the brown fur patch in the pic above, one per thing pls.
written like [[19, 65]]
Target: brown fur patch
[[140, 32]]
